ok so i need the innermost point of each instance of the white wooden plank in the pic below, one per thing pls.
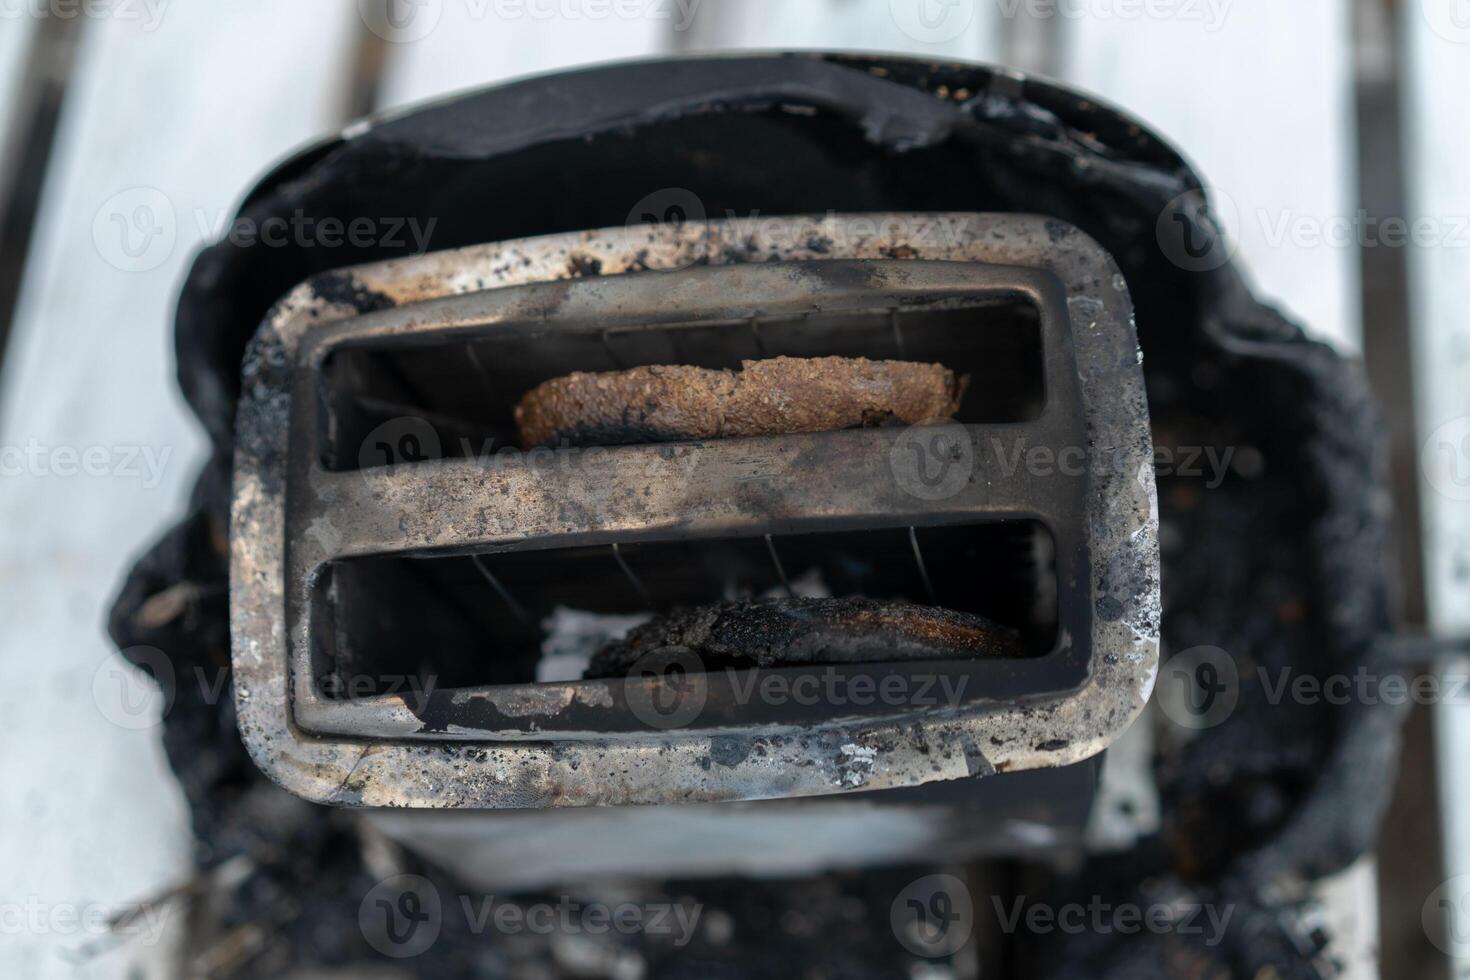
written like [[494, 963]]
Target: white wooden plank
[[449, 45], [1259, 95], [446, 45], [1348, 909], [442, 46], [1437, 115], [179, 119], [963, 29], [1437, 121]]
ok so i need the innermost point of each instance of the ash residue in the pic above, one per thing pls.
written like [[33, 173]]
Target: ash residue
[[342, 288]]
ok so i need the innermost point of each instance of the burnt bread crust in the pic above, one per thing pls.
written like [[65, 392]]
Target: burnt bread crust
[[667, 403], [809, 631]]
